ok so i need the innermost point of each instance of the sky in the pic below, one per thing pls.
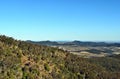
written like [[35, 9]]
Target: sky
[[84, 20]]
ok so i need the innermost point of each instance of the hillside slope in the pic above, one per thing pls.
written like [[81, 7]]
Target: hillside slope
[[22, 60]]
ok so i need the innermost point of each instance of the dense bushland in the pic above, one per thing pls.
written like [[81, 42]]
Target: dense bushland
[[21, 60]]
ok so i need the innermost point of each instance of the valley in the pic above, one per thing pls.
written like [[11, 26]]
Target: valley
[[84, 49], [91, 51]]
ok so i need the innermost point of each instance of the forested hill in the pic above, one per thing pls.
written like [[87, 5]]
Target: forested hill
[[22, 60]]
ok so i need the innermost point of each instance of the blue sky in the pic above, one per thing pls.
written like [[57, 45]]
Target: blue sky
[[86, 20]]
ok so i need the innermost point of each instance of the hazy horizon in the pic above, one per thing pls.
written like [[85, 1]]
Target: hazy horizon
[[61, 20]]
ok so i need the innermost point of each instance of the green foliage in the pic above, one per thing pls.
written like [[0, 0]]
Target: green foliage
[[46, 66], [21, 60]]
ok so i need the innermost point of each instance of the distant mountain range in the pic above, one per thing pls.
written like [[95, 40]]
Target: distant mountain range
[[74, 43]]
